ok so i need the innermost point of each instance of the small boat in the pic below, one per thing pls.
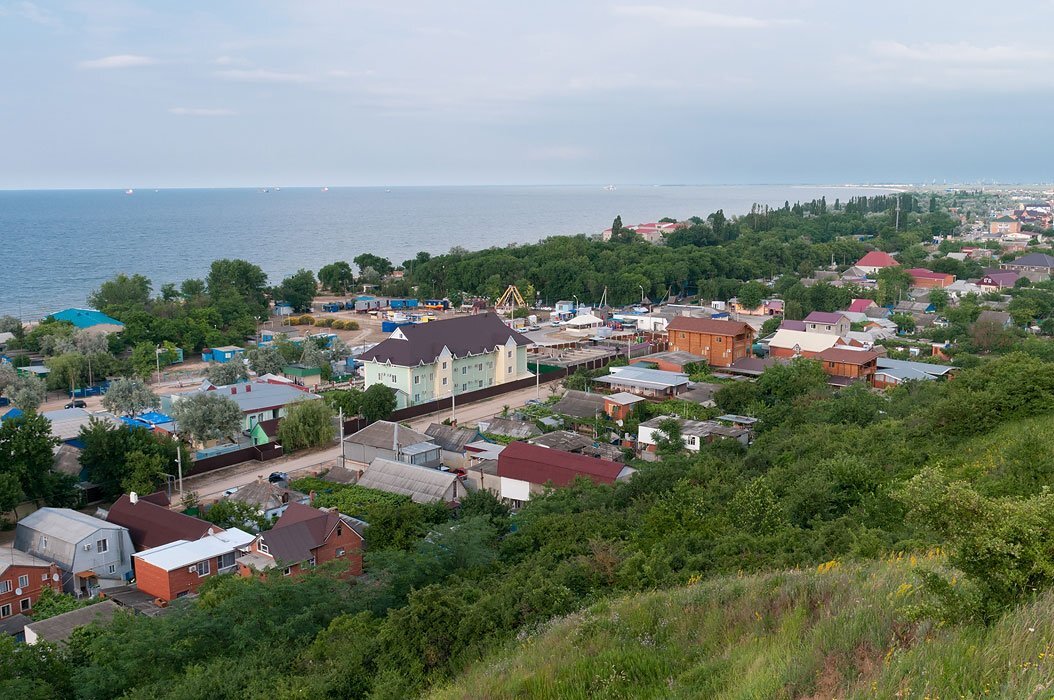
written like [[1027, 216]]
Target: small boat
[[325, 189], [609, 188], [129, 191]]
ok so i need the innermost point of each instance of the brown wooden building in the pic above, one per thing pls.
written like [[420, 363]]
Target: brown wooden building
[[846, 366], [719, 342]]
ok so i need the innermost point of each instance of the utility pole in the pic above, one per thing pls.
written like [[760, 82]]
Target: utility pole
[[157, 358], [340, 426], [453, 418], [179, 466]]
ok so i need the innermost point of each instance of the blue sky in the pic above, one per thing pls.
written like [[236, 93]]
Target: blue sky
[[119, 94]]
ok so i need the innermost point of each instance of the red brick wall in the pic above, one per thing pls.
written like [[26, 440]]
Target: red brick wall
[[32, 590], [168, 585], [350, 541]]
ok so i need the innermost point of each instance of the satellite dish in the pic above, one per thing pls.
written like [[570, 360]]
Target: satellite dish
[[55, 577], [18, 591]]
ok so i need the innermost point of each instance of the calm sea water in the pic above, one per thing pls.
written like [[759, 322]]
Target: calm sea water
[[57, 246]]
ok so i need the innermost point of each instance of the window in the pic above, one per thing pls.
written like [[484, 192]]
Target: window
[[225, 561], [340, 530], [43, 577], [203, 569], [508, 354], [264, 549], [340, 551], [5, 610], [417, 398], [112, 568], [311, 561], [719, 339], [102, 546], [479, 384], [43, 542], [479, 367], [508, 370], [444, 381], [23, 581], [288, 570], [25, 604], [464, 370], [417, 379], [682, 335], [444, 365], [5, 587]]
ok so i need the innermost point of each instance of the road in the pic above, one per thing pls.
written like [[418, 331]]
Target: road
[[481, 410]]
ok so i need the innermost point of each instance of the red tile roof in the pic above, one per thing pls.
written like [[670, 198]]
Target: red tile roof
[[716, 326], [540, 465], [151, 525], [876, 258], [859, 306], [849, 357], [923, 273]]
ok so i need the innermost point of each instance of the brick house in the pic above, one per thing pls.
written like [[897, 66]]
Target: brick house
[[847, 366], [620, 406], [827, 322], [875, 261], [304, 537], [151, 524], [927, 279], [1004, 224], [179, 568], [524, 470], [719, 342], [22, 578], [998, 280]]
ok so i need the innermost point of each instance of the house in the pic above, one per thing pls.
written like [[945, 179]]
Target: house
[[305, 537], [259, 400], [223, 354], [22, 578], [57, 629], [390, 440], [421, 484], [649, 383], [792, 325], [302, 375], [92, 554], [875, 261], [452, 441], [567, 441], [825, 322], [525, 469], [720, 342], [694, 434], [1004, 224], [895, 372], [619, 406], [151, 525], [518, 429], [1040, 263], [83, 319], [860, 306], [787, 343], [1000, 319], [66, 423], [997, 281], [927, 279], [576, 404], [914, 308], [264, 432], [270, 500], [669, 360], [178, 568], [430, 361], [845, 366]]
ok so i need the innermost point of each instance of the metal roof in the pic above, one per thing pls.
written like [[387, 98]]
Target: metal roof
[[623, 398], [85, 318], [510, 427], [885, 363], [385, 435], [644, 378], [256, 396], [806, 342], [421, 484], [541, 465], [9, 556], [59, 628], [579, 404], [173, 555], [65, 524], [151, 525], [450, 438]]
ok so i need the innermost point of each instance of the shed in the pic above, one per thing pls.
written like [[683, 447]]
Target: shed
[[421, 484], [58, 629]]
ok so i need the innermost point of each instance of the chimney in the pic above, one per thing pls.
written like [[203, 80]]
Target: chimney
[[248, 388], [133, 498]]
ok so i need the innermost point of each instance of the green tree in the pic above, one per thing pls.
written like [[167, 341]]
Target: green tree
[[10, 491], [337, 277], [145, 472], [224, 373], [229, 513], [306, 424], [382, 266], [939, 298], [298, 290], [267, 360], [26, 446], [668, 438], [121, 294], [237, 287], [147, 357], [893, 285], [192, 289], [346, 400], [127, 397], [28, 393], [68, 371], [377, 403], [207, 416], [905, 322], [52, 603], [751, 294]]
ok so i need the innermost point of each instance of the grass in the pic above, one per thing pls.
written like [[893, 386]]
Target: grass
[[835, 632]]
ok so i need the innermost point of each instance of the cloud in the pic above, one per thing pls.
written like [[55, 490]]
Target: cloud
[[201, 112], [118, 61], [684, 17], [31, 12], [961, 52], [261, 75]]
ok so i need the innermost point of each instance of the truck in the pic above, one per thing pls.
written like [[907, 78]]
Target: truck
[[332, 306]]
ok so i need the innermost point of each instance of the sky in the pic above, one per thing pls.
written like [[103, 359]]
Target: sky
[[105, 93]]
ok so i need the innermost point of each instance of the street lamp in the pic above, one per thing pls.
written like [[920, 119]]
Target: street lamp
[[641, 294], [157, 358]]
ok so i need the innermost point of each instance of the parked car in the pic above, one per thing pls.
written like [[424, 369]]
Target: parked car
[[534, 402], [278, 477], [77, 403]]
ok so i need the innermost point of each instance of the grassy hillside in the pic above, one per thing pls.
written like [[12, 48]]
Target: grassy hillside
[[833, 632]]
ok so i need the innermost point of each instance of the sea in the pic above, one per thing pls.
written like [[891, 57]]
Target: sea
[[57, 246]]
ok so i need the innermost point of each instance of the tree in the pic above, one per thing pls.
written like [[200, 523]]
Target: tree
[[207, 416], [348, 401], [127, 397], [751, 294], [144, 472], [147, 357], [26, 454], [266, 360], [52, 603], [905, 322], [68, 371], [238, 283], [224, 373], [10, 492], [378, 402], [28, 393], [382, 266], [229, 513], [337, 277], [893, 285], [298, 290], [121, 294], [192, 289], [668, 438], [10, 324], [306, 424], [939, 298]]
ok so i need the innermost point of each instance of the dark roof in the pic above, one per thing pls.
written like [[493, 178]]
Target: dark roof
[[58, 629], [300, 530], [422, 343], [579, 404], [14, 625], [151, 525], [824, 317], [450, 438], [270, 427], [1035, 260], [510, 427], [709, 325], [850, 357], [1000, 317], [792, 325], [563, 440], [540, 465], [384, 434]]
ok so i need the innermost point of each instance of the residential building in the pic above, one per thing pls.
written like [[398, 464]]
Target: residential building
[[649, 383], [861, 305], [998, 280], [57, 629], [845, 366], [22, 578], [694, 434], [874, 262], [1000, 319], [92, 554], [894, 372], [421, 484], [568, 441], [259, 401], [787, 343], [525, 470], [151, 524], [178, 568], [669, 360], [441, 359], [452, 441], [620, 406], [302, 375], [1004, 224], [223, 354], [825, 322], [305, 537], [575, 404], [89, 319], [1033, 262], [389, 440], [518, 429], [719, 342], [927, 279], [269, 500]]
